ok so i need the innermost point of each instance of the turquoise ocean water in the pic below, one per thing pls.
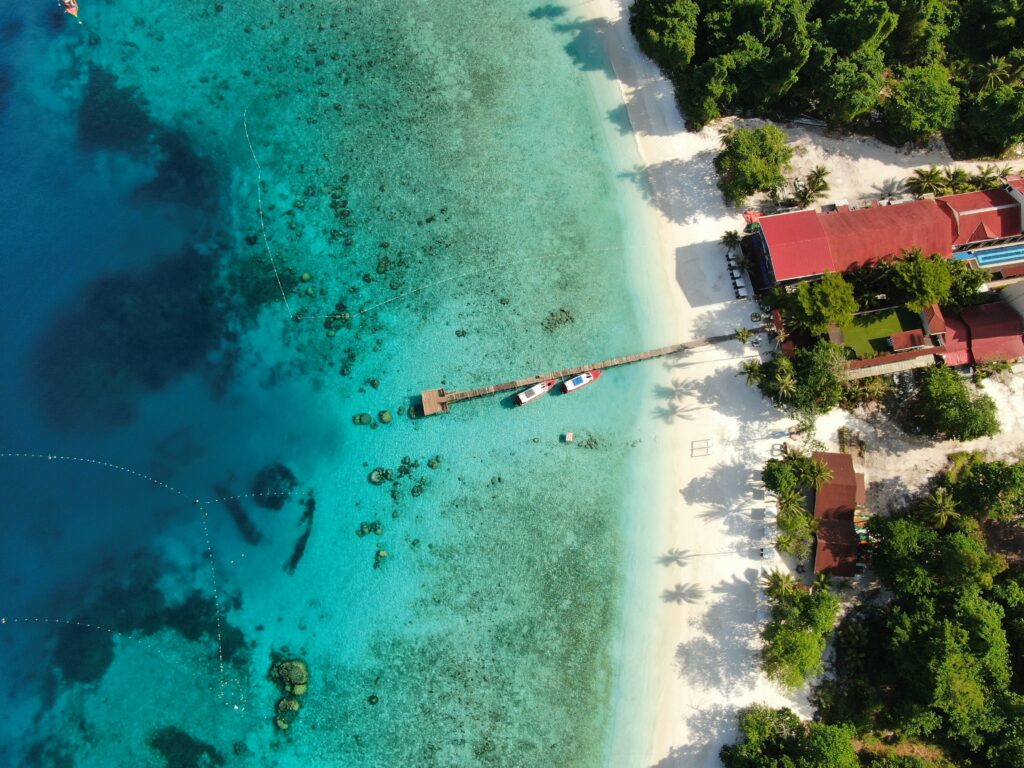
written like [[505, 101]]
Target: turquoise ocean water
[[228, 230]]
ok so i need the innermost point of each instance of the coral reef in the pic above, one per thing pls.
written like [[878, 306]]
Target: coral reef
[[308, 508], [556, 319], [235, 508], [180, 750], [291, 676], [272, 486]]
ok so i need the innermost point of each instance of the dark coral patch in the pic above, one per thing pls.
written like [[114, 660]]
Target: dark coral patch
[[180, 750], [128, 333], [272, 486], [113, 117], [182, 175]]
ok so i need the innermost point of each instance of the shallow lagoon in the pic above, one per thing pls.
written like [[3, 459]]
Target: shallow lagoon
[[435, 180]]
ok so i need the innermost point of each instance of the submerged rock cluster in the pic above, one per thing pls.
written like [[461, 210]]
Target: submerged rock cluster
[[292, 678], [557, 318]]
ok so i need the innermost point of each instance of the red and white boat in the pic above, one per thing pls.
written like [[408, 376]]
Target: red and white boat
[[579, 382], [531, 394], [71, 6]]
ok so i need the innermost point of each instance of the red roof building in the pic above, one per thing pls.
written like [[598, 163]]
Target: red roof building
[[995, 332], [810, 243], [958, 343], [836, 548], [978, 216], [834, 506]]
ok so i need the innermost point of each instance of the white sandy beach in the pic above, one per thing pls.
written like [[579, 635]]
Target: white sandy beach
[[692, 602]]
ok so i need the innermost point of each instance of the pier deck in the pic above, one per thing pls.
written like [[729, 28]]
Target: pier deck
[[437, 401]]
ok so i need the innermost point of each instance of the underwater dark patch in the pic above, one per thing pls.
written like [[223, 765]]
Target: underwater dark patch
[[42, 755], [272, 486], [180, 750], [10, 29], [84, 654], [126, 334], [549, 11], [182, 175], [112, 117], [6, 86]]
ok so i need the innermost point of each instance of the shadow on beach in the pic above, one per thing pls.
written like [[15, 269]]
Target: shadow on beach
[[712, 727], [722, 658]]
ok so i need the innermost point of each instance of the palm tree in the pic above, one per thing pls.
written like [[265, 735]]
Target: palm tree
[[986, 177], [938, 508], [785, 384], [743, 335], [927, 181], [997, 71], [779, 585], [752, 370], [821, 581], [816, 474], [958, 180], [790, 501], [817, 178], [731, 240], [1005, 171]]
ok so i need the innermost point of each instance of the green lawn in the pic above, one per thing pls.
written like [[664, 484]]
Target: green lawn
[[868, 334]]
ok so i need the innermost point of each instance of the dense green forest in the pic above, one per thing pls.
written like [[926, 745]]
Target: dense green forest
[[909, 68], [928, 669]]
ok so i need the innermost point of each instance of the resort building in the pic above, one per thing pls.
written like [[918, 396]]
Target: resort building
[[836, 505], [985, 228]]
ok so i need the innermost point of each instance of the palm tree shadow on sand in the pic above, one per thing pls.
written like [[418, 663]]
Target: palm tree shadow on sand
[[683, 593]]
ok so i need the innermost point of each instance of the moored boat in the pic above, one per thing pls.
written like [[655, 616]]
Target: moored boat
[[579, 382], [531, 394], [71, 6]]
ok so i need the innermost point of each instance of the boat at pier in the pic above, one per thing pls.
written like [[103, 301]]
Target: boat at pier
[[531, 394], [579, 382]]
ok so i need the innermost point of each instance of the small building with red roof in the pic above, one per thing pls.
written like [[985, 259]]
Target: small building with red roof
[[958, 343], [835, 503], [995, 332], [984, 334]]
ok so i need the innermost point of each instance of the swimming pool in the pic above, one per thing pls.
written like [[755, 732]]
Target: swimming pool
[[994, 256]]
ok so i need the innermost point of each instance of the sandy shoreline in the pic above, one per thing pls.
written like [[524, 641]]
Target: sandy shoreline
[[691, 620]]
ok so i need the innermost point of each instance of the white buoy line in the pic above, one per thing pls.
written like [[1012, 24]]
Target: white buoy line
[[235, 703]]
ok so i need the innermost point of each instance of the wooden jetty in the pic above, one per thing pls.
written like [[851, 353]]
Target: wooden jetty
[[435, 401]]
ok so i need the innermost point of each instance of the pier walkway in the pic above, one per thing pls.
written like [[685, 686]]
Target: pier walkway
[[436, 401]]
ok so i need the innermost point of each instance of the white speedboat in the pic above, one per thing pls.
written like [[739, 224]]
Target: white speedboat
[[579, 382], [531, 394]]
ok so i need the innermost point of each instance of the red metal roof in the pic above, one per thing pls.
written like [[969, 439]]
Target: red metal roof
[[995, 332], [797, 244], [958, 343], [810, 243], [987, 215], [907, 340], [837, 499], [859, 237], [1017, 182], [935, 321], [836, 549]]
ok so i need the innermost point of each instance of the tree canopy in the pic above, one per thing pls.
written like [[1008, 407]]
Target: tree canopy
[[752, 161], [922, 66], [919, 281], [820, 303], [777, 737], [945, 406]]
